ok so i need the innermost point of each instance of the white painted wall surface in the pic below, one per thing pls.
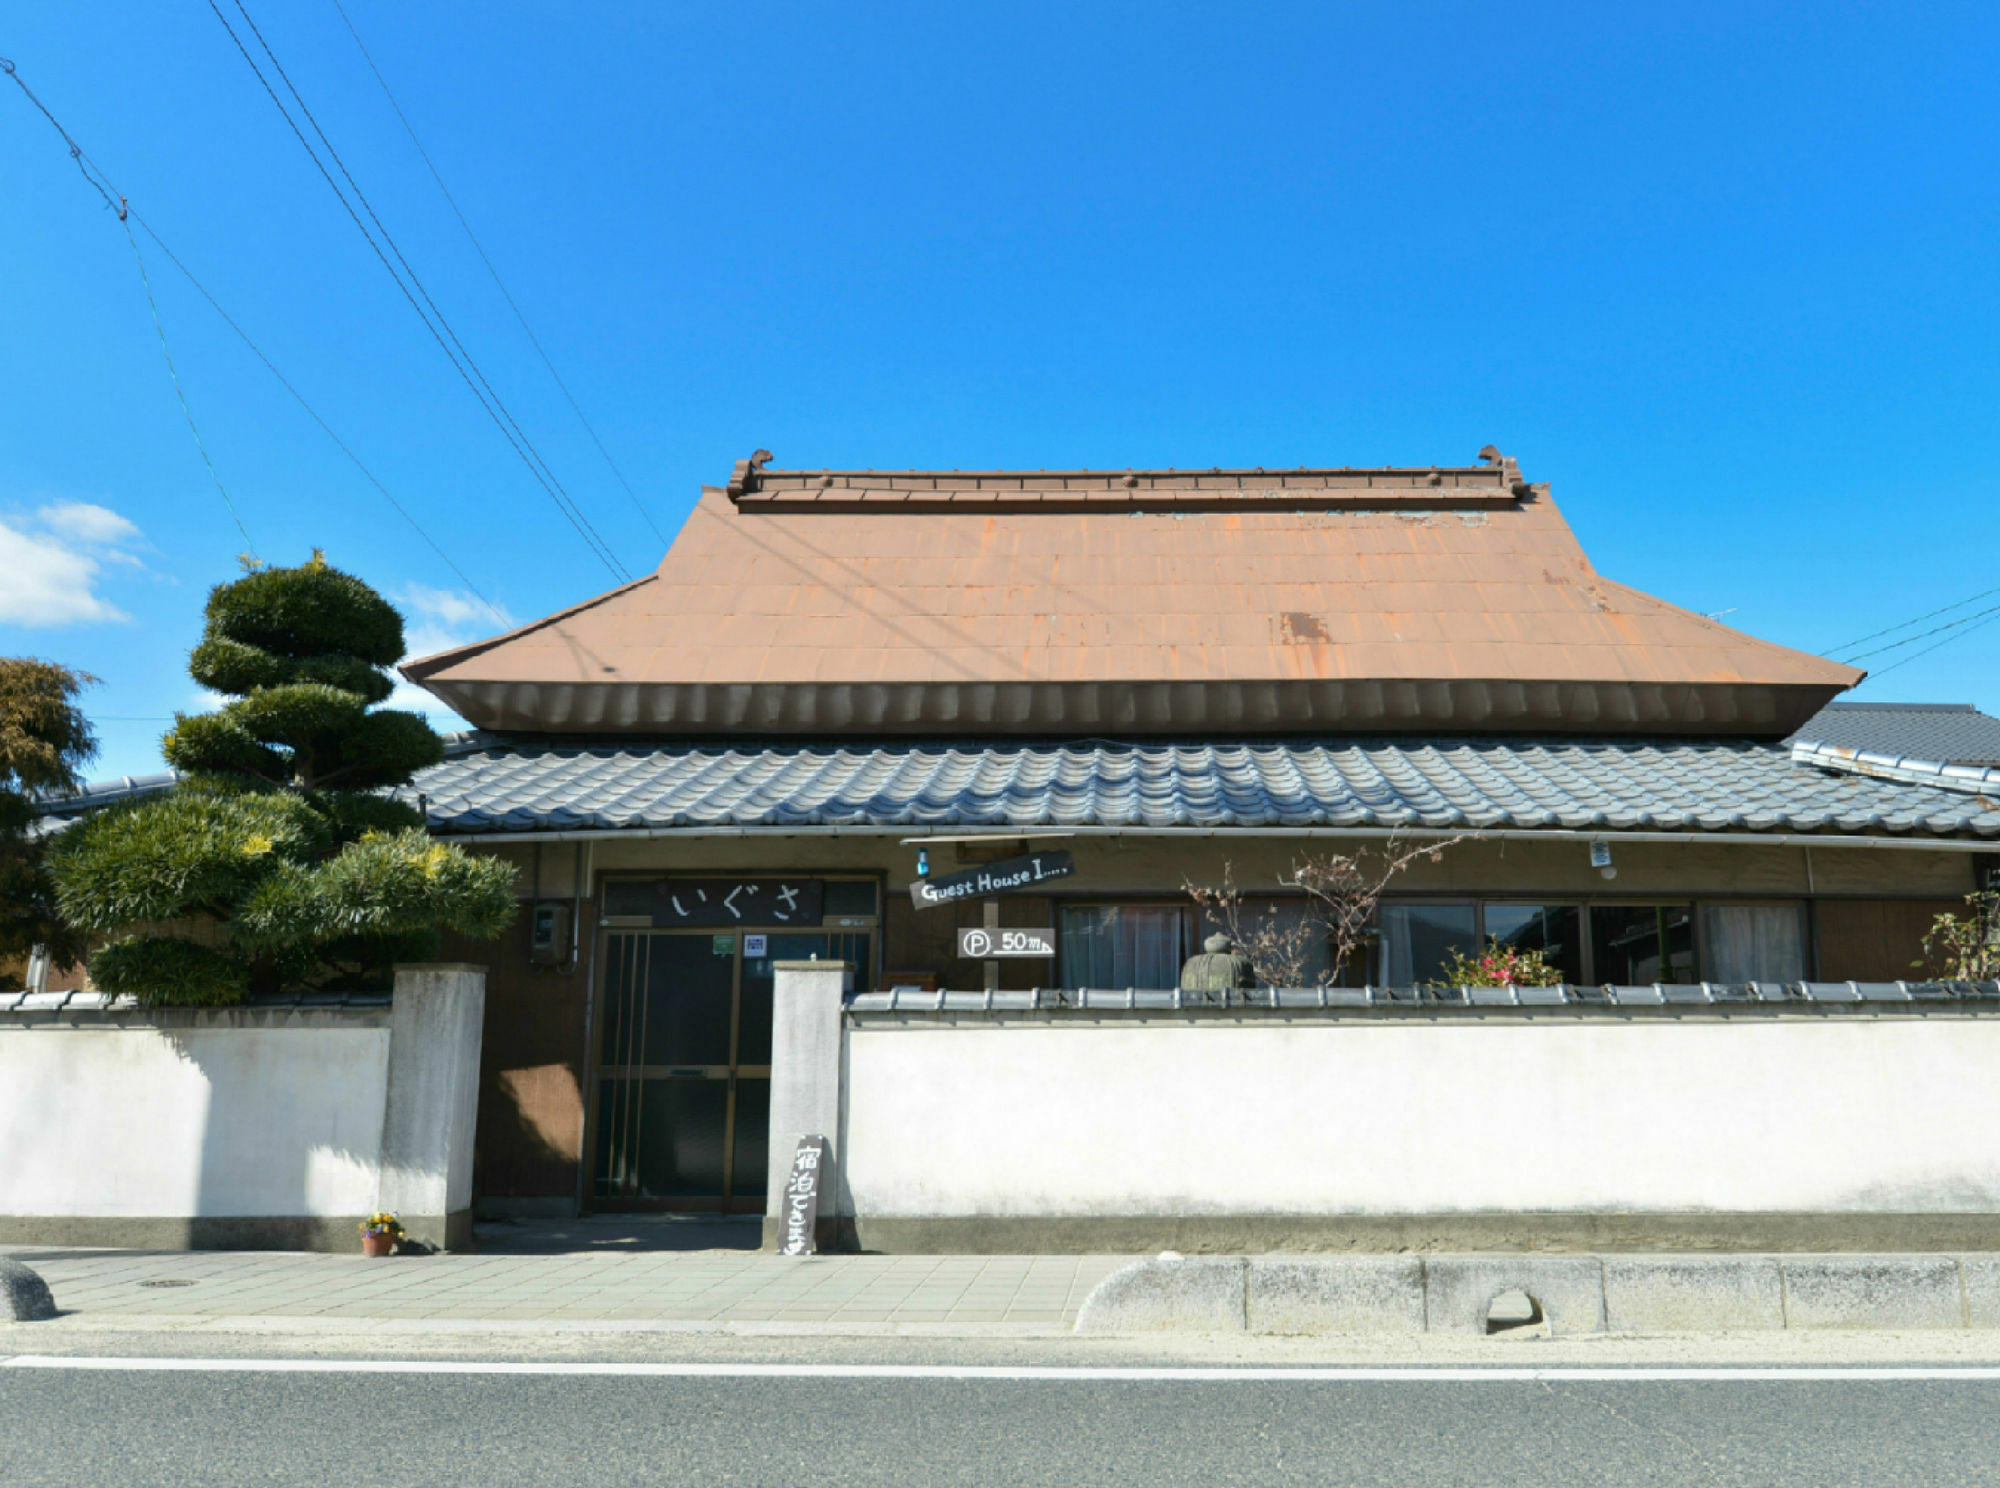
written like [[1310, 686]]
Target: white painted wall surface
[[214, 1121], [1814, 1115]]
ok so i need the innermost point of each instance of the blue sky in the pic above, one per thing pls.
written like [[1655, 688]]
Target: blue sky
[[1721, 273]]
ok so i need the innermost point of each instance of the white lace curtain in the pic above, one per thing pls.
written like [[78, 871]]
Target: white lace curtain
[[1754, 943]]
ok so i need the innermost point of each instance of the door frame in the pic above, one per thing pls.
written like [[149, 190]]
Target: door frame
[[588, 1199]]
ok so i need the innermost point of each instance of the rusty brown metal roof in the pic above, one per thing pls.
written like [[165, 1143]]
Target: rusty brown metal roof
[[1045, 602]]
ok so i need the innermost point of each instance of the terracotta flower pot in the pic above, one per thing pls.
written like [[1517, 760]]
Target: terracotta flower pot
[[378, 1244]]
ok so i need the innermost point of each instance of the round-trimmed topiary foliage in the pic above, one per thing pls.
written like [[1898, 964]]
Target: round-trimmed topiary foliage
[[278, 862]]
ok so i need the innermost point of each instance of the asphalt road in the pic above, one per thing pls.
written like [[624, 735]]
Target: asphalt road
[[263, 1426]]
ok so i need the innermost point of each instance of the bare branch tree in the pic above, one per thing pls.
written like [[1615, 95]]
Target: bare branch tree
[[1341, 892]]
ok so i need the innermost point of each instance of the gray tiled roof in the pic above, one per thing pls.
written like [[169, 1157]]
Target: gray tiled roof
[[492, 786], [60, 809], [1952, 733]]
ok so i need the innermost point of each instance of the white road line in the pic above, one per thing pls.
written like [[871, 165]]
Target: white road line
[[1332, 1374]]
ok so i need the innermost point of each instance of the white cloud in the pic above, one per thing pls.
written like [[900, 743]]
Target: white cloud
[[50, 564], [441, 619], [92, 526]]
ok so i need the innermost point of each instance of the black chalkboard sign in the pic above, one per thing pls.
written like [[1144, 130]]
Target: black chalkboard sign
[[706, 903], [1008, 876], [799, 1217]]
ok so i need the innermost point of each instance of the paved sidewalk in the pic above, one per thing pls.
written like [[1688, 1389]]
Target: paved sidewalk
[[718, 1288]]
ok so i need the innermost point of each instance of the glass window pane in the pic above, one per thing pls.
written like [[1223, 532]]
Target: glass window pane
[[690, 985], [1754, 942], [1121, 945], [1418, 939], [1635, 945], [849, 897], [627, 896], [680, 1138], [1556, 930], [753, 1139], [753, 1039], [617, 1125]]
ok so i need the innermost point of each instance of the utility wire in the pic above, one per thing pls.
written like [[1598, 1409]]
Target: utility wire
[[102, 184], [1978, 616], [1991, 616], [284, 382], [362, 197], [468, 368], [498, 282], [125, 221], [1891, 630]]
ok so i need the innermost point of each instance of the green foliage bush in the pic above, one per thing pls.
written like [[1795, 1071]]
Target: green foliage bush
[[44, 740], [277, 863], [164, 969]]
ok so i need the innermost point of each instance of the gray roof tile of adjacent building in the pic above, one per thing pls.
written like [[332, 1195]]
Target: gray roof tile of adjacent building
[[499, 786], [1951, 733]]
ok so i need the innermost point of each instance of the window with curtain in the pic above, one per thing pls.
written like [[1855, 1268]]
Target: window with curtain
[[1122, 945], [1418, 939], [1754, 942]]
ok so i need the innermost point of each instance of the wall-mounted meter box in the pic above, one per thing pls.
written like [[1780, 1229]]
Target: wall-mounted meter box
[[548, 933]]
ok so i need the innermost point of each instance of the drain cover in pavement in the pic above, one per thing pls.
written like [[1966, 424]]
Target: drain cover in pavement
[[167, 1282]]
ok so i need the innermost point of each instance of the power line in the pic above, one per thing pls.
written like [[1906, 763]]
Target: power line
[[1974, 620], [93, 174], [1991, 616], [124, 221], [499, 283], [257, 351], [101, 183], [468, 368], [488, 399], [1905, 625]]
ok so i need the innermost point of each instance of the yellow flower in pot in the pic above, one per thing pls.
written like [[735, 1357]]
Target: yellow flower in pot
[[380, 1234]]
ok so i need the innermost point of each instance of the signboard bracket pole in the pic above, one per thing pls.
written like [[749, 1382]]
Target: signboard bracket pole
[[992, 908]]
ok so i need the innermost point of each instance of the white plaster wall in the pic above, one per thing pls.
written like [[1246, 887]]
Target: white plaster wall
[[1812, 1115], [186, 1122]]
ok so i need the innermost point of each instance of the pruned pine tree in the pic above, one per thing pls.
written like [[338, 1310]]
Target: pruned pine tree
[[278, 863]]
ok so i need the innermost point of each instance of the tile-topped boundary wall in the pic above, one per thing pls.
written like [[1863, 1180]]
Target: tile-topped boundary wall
[[269, 1125], [1787, 1125]]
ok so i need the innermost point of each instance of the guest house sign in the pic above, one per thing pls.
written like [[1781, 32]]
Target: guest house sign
[[1008, 876]]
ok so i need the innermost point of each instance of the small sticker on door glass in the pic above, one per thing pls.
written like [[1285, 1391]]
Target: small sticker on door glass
[[756, 946], [722, 945]]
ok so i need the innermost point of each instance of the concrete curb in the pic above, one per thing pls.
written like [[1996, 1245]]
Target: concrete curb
[[24, 1296], [1571, 1295]]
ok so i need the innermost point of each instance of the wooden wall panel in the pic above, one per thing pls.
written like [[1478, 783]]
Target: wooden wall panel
[[531, 1076], [1875, 940]]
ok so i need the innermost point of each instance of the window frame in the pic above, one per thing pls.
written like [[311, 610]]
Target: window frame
[[1186, 913]]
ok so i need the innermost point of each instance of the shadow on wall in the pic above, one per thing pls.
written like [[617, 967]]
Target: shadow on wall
[[530, 1134], [291, 1134]]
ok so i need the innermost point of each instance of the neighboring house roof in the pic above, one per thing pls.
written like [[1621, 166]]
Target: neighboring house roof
[[59, 811], [1972, 780], [487, 786], [1133, 602], [1951, 733]]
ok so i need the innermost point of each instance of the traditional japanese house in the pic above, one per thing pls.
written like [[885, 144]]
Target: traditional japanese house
[[841, 683]]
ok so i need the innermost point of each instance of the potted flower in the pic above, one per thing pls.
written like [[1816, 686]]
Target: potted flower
[[380, 1234], [1500, 965]]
